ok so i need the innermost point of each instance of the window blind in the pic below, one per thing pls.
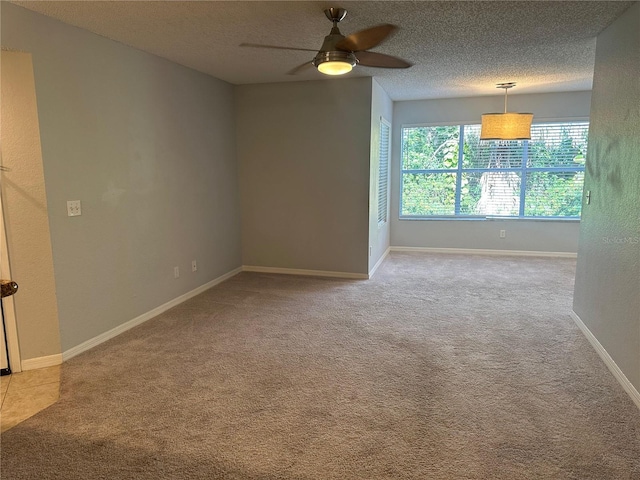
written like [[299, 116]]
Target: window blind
[[383, 172]]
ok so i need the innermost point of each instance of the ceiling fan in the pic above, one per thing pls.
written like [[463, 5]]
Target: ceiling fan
[[339, 54]]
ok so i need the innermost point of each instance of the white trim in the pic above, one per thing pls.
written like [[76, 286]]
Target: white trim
[[608, 361], [10, 322], [41, 362], [379, 262], [103, 337], [480, 251], [12, 334], [308, 273]]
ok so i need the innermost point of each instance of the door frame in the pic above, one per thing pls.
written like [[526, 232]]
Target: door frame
[[10, 322]]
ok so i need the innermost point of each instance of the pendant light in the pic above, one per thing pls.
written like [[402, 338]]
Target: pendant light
[[506, 126]]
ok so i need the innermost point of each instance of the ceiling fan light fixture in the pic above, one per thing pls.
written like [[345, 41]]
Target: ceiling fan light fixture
[[335, 63], [335, 68], [506, 126]]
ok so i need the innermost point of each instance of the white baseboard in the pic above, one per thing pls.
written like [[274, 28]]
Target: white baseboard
[[41, 362], [308, 273], [103, 337], [608, 361], [480, 251], [379, 262]]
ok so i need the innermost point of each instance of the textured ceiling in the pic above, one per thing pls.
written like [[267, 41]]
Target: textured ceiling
[[459, 49]]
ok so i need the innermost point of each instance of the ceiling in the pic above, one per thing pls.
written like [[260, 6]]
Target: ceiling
[[459, 49]]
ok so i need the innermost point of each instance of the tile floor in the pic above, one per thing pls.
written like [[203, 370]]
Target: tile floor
[[24, 394]]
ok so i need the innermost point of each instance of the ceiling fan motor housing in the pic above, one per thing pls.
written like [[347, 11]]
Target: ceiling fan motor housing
[[329, 53]]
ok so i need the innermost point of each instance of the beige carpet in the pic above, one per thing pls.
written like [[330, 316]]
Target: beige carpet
[[440, 367]]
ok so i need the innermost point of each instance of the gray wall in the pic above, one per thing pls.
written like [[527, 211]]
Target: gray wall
[[545, 236], [148, 146], [379, 236], [607, 291], [303, 152]]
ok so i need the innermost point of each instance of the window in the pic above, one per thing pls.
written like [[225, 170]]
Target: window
[[448, 172], [383, 171]]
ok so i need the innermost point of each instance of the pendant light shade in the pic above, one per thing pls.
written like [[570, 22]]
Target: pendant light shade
[[506, 126]]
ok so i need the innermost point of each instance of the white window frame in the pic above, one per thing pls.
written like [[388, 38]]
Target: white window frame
[[458, 217]]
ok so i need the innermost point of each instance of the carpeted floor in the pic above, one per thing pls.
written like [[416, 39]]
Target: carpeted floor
[[440, 367]]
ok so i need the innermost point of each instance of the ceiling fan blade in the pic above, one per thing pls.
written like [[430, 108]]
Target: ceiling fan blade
[[373, 59], [366, 39], [300, 68], [257, 45]]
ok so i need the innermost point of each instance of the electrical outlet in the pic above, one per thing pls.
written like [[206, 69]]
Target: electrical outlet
[[74, 209], [503, 234], [176, 272], [194, 266]]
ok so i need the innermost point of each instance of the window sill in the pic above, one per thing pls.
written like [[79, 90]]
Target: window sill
[[490, 219]]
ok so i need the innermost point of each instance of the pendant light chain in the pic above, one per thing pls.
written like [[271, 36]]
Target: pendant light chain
[[506, 94], [506, 87]]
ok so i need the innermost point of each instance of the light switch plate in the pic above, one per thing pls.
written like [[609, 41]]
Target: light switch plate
[[74, 208]]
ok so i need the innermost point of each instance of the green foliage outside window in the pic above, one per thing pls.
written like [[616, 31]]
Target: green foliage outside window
[[430, 171]]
